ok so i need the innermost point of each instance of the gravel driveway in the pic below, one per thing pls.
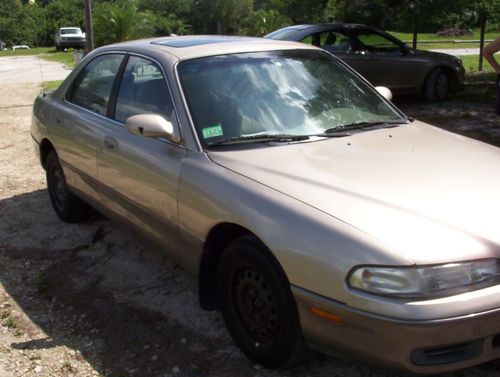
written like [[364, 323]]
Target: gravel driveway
[[95, 299], [30, 69]]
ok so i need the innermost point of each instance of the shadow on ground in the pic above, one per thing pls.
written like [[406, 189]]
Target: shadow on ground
[[109, 295]]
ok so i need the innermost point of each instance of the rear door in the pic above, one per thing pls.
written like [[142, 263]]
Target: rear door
[[77, 121], [139, 175]]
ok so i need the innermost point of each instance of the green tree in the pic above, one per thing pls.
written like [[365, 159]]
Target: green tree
[[221, 16], [119, 23], [262, 22]]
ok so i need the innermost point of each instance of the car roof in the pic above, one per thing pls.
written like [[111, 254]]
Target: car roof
[[339, 25], [305, 29], [194, 46]]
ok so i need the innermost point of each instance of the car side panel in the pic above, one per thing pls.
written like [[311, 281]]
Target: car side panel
[[401, 74], [296, 233], [139, 178], [73, 133]]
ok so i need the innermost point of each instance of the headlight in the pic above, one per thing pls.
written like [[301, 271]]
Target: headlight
[[425, 282]]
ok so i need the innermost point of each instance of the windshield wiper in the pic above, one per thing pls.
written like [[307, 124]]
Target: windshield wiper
[[260, 139], [363, 125]]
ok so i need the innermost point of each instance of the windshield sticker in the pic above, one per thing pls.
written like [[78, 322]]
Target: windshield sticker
[[213, 131]]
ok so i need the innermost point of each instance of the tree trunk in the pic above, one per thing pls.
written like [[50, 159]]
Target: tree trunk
[[481, 42], [89, 26], [415, 27], [220, 27]]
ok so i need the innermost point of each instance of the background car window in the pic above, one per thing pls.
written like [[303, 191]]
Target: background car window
[[92, 88], [308, 40], [143, 90], [334, 42], [377, 43], [331, 41]]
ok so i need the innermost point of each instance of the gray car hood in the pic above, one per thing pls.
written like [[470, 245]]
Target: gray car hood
[[431, 195], [435, 55]]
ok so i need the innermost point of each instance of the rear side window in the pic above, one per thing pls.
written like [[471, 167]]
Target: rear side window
[[143, 90], [331, 41], [92, 87]]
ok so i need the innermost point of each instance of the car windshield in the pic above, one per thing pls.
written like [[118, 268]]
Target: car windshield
[[293, 93], [70, 31], [284, 33]]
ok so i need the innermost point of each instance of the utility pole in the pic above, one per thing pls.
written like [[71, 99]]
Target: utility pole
[[88, 26], [482, 21], [413, 8]]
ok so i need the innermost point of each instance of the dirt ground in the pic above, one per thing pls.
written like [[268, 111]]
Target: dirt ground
[[95, 299]]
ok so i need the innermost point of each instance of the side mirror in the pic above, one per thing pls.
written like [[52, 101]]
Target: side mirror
[[406, 50], [154, 126], [386, 92]]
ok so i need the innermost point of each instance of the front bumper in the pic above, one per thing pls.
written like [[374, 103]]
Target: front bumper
[[73, 44], [424, 347]]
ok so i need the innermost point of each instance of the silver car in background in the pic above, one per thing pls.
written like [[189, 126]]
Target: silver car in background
[[312, 211]]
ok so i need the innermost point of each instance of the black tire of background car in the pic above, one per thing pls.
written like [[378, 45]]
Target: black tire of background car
[[269, 331], [437, 85], [67, 206]]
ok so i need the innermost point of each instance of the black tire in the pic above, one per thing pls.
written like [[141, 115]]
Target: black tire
[[67, 206], [438, 85], [257, 304]]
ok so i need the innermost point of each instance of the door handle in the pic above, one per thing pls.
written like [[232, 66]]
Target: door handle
[[110, 142]]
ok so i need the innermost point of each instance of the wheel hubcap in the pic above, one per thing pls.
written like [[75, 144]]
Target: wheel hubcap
[[255, 305], [442, 86], [59, 191]]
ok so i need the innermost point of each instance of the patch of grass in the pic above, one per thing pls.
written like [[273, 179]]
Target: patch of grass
[[51, 85], [432, 36], [47, 53], [471, 64], [408, 37], [64, 57], [32, 51], [8, 321]]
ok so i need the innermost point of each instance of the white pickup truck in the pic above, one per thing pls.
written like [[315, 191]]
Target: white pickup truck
[[70, 37]]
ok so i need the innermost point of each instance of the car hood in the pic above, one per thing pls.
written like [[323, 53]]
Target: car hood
[[436, 55], [431, 195]]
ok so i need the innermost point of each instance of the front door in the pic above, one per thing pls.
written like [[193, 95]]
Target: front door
[[139, 175]]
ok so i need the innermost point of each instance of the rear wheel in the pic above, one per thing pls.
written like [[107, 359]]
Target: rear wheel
[[67, 206], [258, 306], [438, 85]]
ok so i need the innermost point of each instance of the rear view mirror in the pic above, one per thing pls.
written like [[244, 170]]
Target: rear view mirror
[[386, 92], [152, 125]]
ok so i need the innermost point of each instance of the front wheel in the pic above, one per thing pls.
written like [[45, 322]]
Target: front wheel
[[257, 304], [67, 206], [438, 85]]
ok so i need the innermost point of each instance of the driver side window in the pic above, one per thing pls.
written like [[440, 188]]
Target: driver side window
[[143, 90]]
